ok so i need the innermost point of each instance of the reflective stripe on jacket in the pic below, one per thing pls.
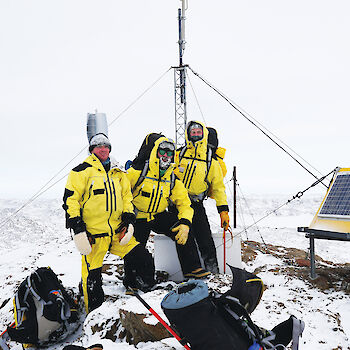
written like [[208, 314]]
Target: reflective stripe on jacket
[[192, 170], [98, 197], [153, 194]]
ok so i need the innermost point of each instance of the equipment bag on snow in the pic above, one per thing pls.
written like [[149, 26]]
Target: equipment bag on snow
[[220, 321], [44, 311], [192, 312]]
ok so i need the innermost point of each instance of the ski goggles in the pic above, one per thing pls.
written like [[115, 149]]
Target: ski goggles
[[167, 148], [164, 151]]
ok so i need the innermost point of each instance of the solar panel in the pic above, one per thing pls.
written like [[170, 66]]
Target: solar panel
[[337, 203]]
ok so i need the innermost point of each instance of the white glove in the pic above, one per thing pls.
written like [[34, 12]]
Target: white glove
[[126, 234], [82, 243]]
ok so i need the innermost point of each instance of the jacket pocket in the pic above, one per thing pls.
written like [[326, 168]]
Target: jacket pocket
[[99, 191], [145, 194]]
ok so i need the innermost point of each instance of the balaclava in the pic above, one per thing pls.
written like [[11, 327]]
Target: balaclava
[[165, 153], [195, 132]]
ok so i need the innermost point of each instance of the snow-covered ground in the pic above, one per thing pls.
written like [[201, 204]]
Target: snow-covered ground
[[36, 236]]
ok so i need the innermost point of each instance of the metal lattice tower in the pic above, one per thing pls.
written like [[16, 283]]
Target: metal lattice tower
[[180, 83], [180, 105]]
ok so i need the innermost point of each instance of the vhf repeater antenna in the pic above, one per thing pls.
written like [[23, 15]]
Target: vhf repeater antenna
[[180, 82]]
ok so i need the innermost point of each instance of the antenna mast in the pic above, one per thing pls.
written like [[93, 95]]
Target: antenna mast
[[180, 82]]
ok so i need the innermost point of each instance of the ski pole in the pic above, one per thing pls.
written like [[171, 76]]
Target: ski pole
[[4, 337], [164, 324], [224, 237]]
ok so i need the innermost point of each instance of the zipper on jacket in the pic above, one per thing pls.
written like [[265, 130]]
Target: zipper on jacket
[[189, 172], [160, 197], [110, 192], [90, 188], [194, 170], [111, 199], [104, 182], [115, 196], [186, 172], [139, 192], [150, 203], [155, 198]]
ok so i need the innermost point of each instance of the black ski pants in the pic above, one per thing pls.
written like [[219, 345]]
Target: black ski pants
[[202, 234], [162, 223]]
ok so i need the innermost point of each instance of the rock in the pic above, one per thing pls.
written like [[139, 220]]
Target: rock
[[303, 262], [136, 330]]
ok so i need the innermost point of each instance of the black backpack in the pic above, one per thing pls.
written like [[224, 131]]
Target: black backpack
[[209, 320], [145, 150], [141, 162], [44, 311]]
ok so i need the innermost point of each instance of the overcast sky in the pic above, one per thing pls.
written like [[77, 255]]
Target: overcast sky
[[286, 63]]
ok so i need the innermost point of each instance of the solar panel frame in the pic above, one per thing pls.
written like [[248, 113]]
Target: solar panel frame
[[337, 202]]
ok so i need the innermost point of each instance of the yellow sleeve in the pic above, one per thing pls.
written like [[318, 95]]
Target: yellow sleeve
[[179, 196], [74, 191], [217, 187], [177, 163], [126, 194], [133, 175]]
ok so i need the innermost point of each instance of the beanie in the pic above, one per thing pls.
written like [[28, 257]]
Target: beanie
[[99, 140]]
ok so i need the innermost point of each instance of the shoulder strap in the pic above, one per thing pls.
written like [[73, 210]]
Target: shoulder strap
[[142, 175], [172, 182], [182, 153], [209, 160]]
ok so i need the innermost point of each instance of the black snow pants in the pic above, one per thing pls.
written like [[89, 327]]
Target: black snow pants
[[162, 223], [202, 234]]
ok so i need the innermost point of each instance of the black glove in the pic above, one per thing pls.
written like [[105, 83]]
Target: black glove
[[128, 218], [77, 224]]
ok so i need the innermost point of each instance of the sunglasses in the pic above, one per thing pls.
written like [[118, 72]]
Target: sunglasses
[[168, 152]]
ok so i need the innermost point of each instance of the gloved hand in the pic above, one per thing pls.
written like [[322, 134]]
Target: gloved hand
[[125, 234], [126, 228], [77, 224], [80, 237], [128, 218], [82, 243], [225, 220], [182, 235]]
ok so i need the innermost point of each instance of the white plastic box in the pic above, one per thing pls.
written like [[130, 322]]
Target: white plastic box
[[165, 256]]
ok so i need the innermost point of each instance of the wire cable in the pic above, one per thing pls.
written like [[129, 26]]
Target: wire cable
[[43, 190], [297, 195], [251, 214], [195, 97], [255, 123]]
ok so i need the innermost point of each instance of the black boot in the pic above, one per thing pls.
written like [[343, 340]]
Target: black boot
[[139, 269]]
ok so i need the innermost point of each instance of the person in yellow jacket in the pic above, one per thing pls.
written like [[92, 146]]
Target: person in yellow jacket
[[97, 201], [200, 175], [154, 187]]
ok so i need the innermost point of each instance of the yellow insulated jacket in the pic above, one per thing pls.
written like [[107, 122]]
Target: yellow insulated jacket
[[98, 197], [192, 170], [154, 193]]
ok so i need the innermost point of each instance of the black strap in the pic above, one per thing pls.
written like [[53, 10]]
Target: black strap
[[142, 175], [99, 235]]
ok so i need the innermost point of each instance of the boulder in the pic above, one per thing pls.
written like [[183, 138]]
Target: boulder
[[137, 330]]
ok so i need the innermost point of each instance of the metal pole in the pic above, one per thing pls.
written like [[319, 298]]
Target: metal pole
[[234, 197], [180, 82], [312, 256]]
